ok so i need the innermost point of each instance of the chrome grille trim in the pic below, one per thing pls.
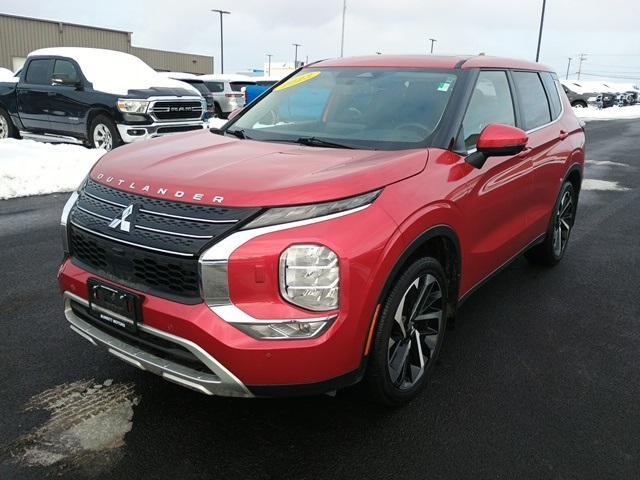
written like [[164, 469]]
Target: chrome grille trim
[[145, 247]]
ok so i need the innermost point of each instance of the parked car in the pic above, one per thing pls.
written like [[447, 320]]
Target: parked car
[[578, 97], [196, 83], [227, 92], [99, 98], [327, 233], [251, 92]]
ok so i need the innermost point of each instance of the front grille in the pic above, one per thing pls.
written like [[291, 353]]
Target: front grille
[[159, 254], [176, 110]]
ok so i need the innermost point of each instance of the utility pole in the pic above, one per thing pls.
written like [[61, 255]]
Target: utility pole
[[544, 4], [221, 12], [269, 55], [582, 58], [432, 40], [566, 77], [295, 58], [344, 14]]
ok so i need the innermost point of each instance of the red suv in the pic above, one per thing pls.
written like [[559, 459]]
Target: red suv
[[327, 233]]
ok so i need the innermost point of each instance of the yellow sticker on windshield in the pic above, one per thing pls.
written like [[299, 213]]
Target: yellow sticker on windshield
[[292, 82]]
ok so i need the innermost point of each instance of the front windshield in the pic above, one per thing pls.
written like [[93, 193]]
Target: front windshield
[[367, 108]]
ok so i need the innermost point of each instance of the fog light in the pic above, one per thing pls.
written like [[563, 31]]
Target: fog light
[[285, 330], [310, 277]]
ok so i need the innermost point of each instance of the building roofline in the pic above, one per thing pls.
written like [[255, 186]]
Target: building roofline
[[21, 17]]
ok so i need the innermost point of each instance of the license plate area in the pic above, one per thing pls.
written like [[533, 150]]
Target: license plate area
[[114, 306]]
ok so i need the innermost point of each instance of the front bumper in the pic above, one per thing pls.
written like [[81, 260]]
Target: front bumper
[[219, 381], [133, 133]]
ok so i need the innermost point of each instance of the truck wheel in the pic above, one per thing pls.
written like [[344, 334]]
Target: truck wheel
[[103, 133], [579, 104], [7, 130], [218, 111], [409, 334], [552, 249]]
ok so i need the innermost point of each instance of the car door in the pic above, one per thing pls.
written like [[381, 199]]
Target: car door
[[496, 209], [546, 150], [34, 94], [67, 109]]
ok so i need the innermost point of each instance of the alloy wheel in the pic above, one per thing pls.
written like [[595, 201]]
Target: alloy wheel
[[4, 127], [102, 137], [416, 331], [563, 223]]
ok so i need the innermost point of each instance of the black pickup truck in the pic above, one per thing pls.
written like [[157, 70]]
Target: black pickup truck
[[99, 98]]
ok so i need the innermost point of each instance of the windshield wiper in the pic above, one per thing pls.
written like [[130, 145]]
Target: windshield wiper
[[319, 142], [238, 132]]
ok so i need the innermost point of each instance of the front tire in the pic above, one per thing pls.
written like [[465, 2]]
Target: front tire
[[552, 249], [7, 130], [409, 334], [103, 133]]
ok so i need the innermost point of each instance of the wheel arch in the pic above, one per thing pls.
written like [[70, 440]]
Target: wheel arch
[[574, 175], [93, 113]]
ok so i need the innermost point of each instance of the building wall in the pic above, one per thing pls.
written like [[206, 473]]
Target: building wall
[[20, 35]]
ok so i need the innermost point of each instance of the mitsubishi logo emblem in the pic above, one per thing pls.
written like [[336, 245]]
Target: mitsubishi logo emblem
[[121, 222]]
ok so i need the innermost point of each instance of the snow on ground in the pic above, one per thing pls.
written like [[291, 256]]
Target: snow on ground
[[32, 168], [611, 113], [216, 122]]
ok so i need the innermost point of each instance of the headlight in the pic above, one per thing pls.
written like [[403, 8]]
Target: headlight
[[133, 106], [275, 216], [310, 277]]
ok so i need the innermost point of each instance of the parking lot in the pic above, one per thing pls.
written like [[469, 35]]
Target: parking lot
[[539, 379]]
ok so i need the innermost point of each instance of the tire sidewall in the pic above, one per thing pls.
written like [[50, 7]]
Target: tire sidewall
[[11, 131], [377, 370], [566, 186]]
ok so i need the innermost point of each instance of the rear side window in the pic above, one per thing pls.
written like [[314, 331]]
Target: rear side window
[[491, 102], [238, 86], [551, 86], [215, 87], [533, 100], [65, 69], [38, 71]]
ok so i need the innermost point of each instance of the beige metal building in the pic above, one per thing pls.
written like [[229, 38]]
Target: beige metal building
[[21, 35]]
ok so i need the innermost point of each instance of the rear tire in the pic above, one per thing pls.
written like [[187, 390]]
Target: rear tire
[[103, 133], [552, 249], [579, 104], [218, 111], [409, 334], [7, 129]]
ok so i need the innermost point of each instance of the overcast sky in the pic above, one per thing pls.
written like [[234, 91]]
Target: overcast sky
[[608, 32]]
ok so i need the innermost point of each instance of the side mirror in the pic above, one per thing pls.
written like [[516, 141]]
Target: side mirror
[[64, 81], [235, 113], [497, 140]]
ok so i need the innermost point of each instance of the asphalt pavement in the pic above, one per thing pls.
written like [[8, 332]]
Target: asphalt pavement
[[539, 379]]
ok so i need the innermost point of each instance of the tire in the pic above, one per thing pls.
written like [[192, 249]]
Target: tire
[[390, 380], [103, 133], [550, 252], [218, 111], [579, 104], [7, 129]]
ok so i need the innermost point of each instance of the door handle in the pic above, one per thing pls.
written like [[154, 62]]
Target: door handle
[[563, 134]]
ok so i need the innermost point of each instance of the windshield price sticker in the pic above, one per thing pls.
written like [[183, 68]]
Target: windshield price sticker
[[444, 86], [297, 80]]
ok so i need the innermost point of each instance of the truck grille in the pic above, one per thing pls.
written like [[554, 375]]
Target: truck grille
[[176, 110], [159, 254]]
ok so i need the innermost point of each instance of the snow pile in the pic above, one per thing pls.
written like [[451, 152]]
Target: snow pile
[[611, 113], [115, 72], [32, 168], [6, 75]]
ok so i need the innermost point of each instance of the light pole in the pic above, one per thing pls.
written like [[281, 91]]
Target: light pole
[[295, 58], [582, 58], [432, 40], [566, 77], [344, 14], [269, 69], [221, 12], [544, 4]]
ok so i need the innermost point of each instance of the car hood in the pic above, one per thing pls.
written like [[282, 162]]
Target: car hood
[[206, 168]]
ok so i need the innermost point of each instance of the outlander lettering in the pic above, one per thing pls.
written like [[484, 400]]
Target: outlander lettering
[[364, 199]]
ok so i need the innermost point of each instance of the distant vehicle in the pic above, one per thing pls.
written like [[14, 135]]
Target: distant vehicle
[[227, 92], [99, 98], [582, 95], [197, 83], [263, 84]]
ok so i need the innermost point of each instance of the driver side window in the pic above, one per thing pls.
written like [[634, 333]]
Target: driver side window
[[491, 102]]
